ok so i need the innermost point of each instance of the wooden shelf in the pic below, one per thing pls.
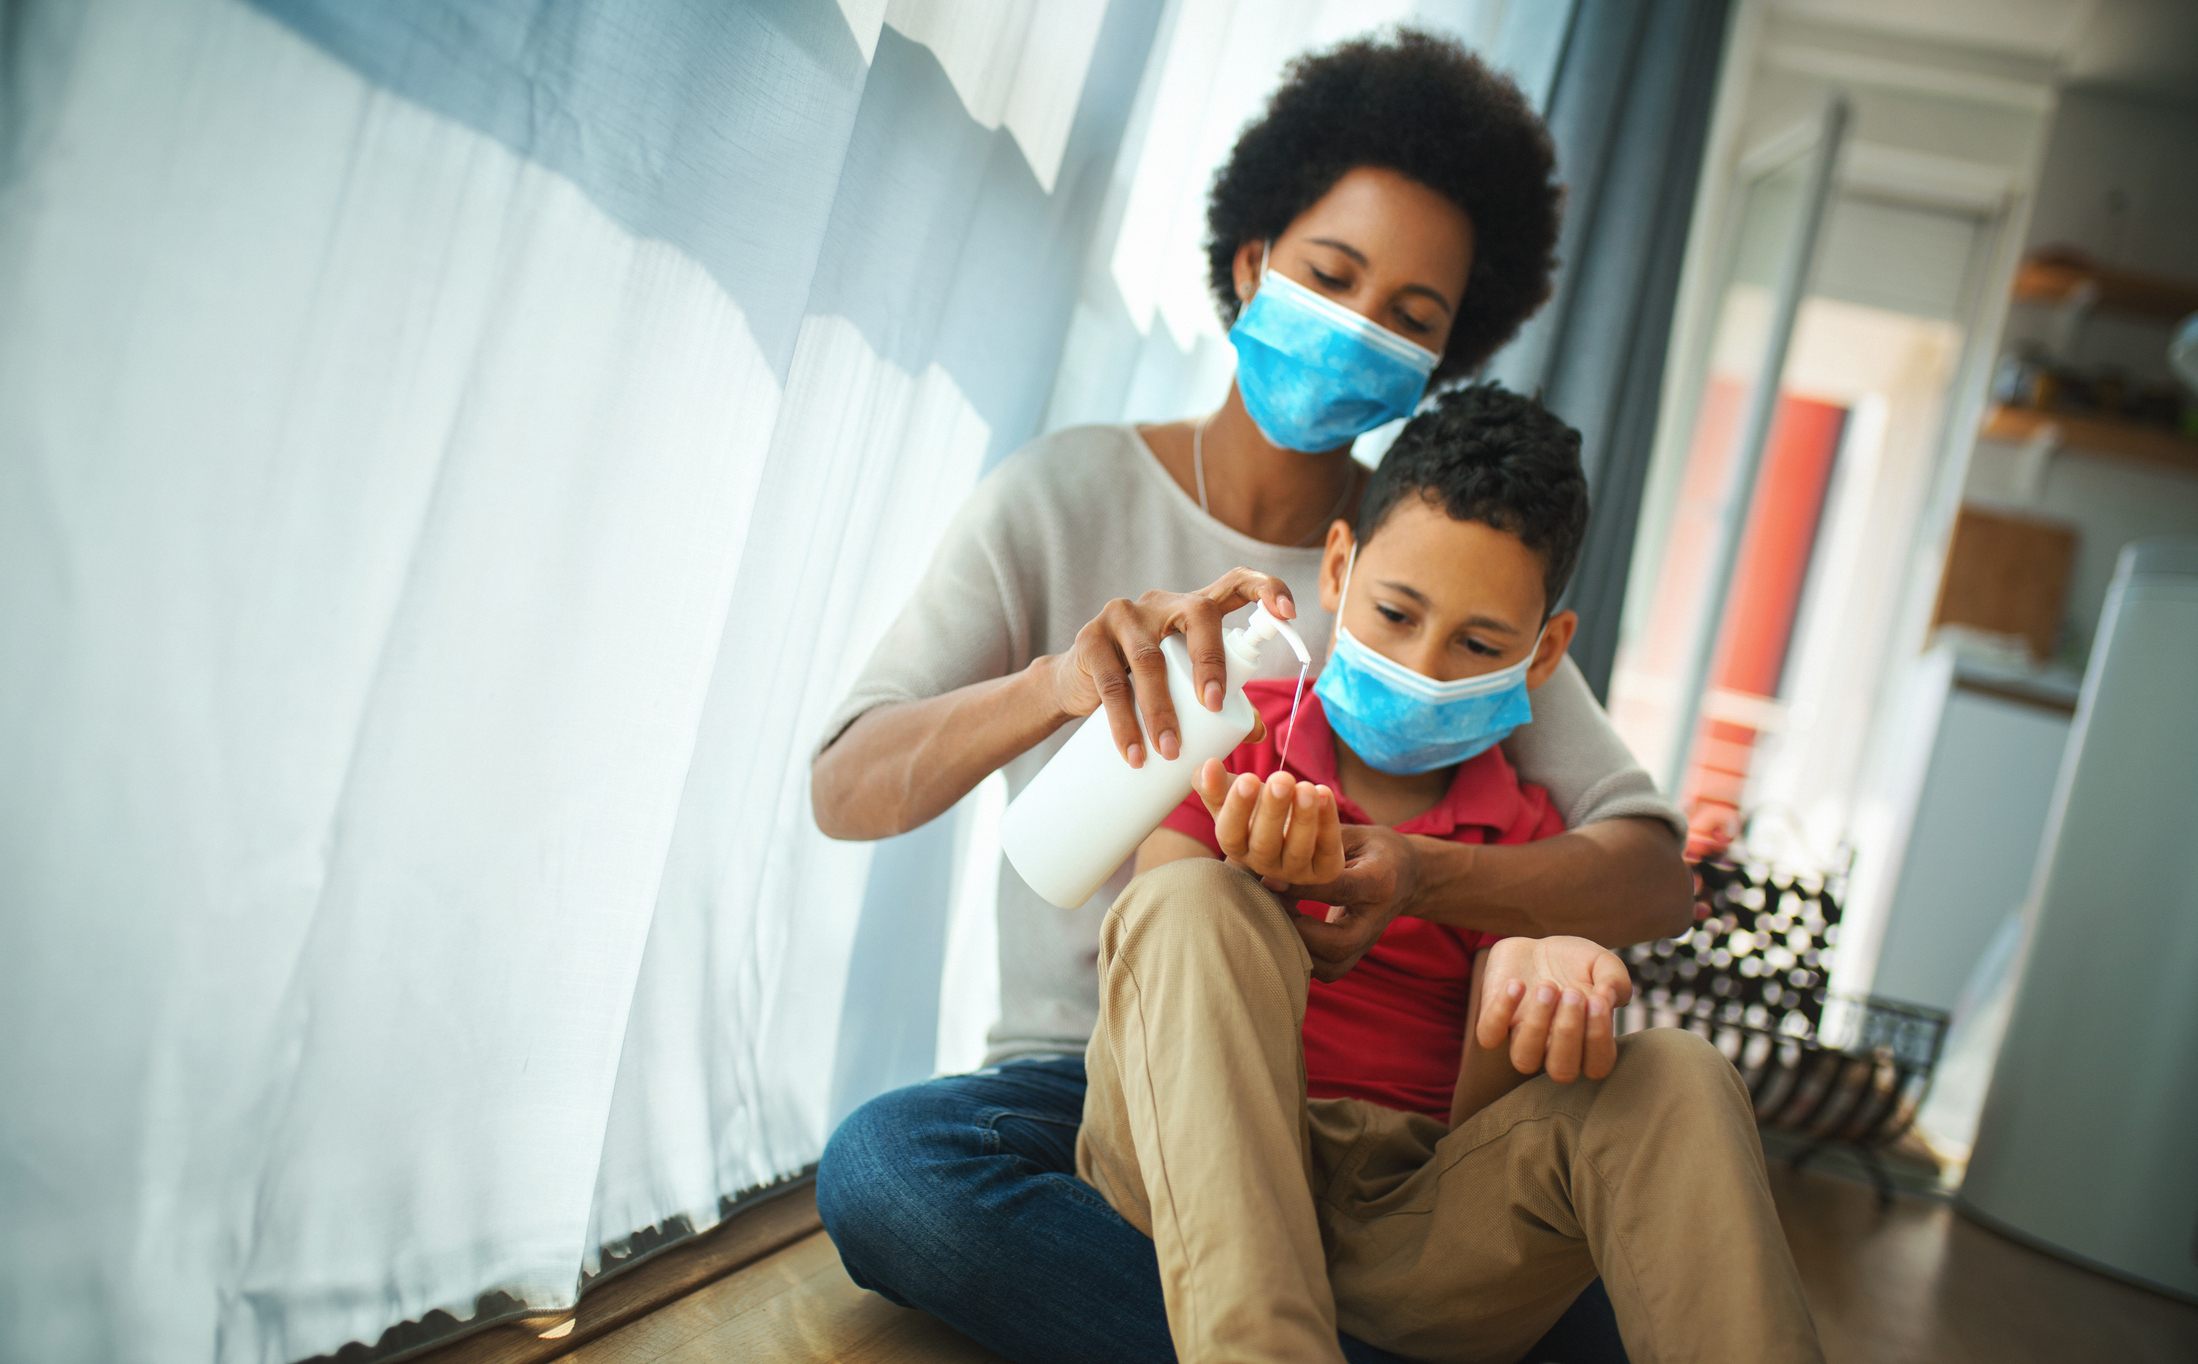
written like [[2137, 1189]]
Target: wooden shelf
[[2122, 291], [2147, 445]]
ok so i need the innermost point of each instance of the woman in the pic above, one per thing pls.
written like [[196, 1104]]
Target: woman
[[1392, 215]]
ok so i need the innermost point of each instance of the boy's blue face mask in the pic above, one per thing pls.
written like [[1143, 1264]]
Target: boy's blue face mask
[[1316, 375], [1400, 721]]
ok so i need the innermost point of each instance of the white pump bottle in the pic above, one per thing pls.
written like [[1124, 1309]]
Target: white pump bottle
[[1088, 809]]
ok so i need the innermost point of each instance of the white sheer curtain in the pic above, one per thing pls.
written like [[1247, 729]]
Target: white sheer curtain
[[451, 458]]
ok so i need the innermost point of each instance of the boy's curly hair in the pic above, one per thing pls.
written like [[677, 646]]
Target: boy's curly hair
[[1483, 453], [1425, 107]]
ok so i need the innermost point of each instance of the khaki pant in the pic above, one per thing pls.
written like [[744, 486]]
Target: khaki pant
[[1276, 1219]]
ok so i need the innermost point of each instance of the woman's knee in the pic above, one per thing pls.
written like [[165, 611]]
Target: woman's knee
[[845, 1170], [869, 1164], [878, 1194]]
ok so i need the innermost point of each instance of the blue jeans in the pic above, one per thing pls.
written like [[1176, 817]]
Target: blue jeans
[[959, 1196]]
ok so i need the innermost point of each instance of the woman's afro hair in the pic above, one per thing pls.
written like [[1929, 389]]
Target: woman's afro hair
[[1483, 453], [1425, 107]]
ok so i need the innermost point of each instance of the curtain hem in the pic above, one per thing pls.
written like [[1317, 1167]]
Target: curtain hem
[[418, 1336]]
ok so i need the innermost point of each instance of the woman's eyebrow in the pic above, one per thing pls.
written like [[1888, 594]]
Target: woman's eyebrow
[[1345, 247], [1355, 254]]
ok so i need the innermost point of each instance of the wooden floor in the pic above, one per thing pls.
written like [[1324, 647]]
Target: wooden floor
[[1925, 1285], [795, 1305], [1920, 1285]]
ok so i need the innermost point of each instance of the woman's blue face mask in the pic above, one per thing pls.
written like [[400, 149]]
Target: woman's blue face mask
[[1400, 721], [1314, 374]]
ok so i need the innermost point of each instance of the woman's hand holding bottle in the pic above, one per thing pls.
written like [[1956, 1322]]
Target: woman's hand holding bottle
[[1117, 664]]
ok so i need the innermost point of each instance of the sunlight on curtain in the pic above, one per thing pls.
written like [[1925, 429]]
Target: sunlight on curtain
[[1015, 65], [451, 458], [747, 873], [351, 683]]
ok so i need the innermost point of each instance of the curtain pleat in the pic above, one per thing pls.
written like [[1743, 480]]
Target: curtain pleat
[[451, 459]]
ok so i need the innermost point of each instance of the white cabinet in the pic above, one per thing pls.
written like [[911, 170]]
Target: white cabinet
[[2086, 1144], [1973, 839]]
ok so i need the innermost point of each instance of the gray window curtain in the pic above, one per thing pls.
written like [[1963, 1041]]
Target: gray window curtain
[[1629, 107]]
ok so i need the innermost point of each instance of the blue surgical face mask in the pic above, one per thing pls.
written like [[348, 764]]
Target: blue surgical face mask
[[1316, 375], [1400, 721]]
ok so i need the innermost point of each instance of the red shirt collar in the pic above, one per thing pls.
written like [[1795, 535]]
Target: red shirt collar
[[1484, 793]]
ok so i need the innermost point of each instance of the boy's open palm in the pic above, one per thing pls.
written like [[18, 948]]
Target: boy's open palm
[[1280, 829], [1555, 999]]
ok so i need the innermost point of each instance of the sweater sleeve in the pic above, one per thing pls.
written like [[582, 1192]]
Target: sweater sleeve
[[966, 622], [1572, 751]]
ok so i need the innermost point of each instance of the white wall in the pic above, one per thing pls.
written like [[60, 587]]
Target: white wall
[[2148, 151], [2108, 501], [2120, 183]]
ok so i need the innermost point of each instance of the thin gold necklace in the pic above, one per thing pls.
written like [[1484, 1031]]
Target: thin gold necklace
[[1198, 470]]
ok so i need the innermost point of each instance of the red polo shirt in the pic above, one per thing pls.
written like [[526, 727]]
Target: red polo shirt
[[1391, 1030]]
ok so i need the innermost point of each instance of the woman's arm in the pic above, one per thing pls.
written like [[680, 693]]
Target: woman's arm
[[902, 765], [1615, 882]]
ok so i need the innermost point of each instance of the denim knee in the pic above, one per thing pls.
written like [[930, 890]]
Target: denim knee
[[863, 1181]]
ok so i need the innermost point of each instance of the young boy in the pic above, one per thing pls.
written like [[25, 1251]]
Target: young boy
[[1364, 1150]]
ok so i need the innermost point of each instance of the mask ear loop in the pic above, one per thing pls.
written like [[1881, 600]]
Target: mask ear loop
[[1198, 432], [1264, 254], [1333, 631]]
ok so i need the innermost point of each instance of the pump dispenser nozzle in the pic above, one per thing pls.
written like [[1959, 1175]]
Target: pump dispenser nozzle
[[1265, 625]]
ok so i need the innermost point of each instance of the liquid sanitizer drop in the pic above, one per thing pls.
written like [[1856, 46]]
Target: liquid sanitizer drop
[[1087, 810]]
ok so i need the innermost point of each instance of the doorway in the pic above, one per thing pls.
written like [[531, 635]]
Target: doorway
[[1778, 540]]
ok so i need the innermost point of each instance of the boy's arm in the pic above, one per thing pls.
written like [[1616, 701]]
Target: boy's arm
[[1168, 845], [1570, 1018], [1618, 881], [1484, 1076]]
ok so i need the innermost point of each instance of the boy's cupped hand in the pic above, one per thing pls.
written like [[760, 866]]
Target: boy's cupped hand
[[1287, 833], [1281, 830], [1554, 998]]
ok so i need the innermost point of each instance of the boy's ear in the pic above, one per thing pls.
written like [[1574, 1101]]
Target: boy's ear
[[1556, 638], [1333, 556]]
